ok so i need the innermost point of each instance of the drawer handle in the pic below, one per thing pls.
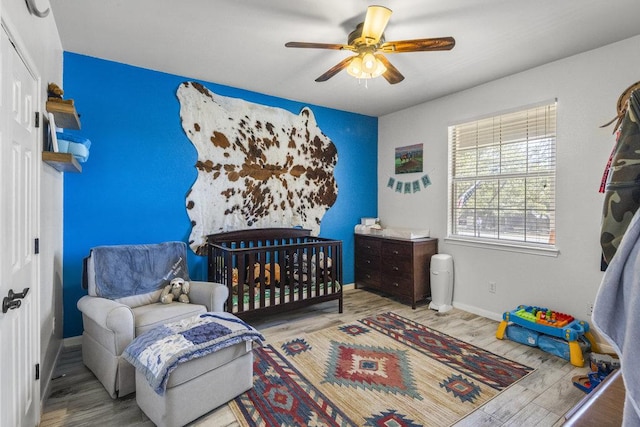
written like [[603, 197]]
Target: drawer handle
[[395, 284], [396, 269], [368, 276], [368, 261], [367, 246], [396, 252]]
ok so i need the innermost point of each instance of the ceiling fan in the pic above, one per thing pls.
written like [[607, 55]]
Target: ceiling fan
[[368, 43]]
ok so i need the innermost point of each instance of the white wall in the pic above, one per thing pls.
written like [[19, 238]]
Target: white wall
[[38, 40], [587, 87]]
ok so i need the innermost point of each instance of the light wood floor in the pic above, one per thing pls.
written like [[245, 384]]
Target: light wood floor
[[541, 399]]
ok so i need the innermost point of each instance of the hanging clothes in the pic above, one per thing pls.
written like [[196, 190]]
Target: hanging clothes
[[615, 315], [622, 190], [617, 305]]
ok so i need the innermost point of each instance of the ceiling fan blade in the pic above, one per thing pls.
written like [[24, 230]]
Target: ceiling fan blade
[[374, 23], [319, 45], [335, 69], [418, 45], [392, 75]]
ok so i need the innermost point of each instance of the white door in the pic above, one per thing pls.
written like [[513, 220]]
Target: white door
[[19, 340]]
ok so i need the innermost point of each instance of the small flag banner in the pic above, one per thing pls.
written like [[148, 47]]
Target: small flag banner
[[408, 187]]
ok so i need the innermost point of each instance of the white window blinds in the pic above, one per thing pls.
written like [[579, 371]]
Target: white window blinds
[[502, 177]]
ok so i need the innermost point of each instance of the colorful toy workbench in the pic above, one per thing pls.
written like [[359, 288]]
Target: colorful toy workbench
[[554, 332]]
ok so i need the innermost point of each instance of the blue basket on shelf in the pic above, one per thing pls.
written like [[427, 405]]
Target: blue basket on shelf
[[74, 144]]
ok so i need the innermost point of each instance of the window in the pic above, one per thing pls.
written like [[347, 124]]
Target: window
[[502, 178]]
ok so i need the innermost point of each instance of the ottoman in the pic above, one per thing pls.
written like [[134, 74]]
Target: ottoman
[[198, 386], [190, 367]]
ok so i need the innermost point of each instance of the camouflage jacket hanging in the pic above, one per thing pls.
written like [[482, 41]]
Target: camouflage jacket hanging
[[622, 195]]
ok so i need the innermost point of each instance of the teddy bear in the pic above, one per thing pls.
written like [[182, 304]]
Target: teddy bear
[[176, 290], [54, 91], [267, 273], [234, 279], [54, 94]]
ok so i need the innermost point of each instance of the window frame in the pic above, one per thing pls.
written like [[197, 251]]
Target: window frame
[[527, 243]]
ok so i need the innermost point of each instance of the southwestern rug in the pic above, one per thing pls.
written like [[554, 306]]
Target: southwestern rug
[[384, 370]]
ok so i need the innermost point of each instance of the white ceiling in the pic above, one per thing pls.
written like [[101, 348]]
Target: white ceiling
[[240, 43]]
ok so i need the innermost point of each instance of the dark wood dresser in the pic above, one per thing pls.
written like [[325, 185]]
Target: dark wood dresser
[[399, 267]]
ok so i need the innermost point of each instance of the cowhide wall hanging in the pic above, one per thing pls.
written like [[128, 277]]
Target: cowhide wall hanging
[[258, 166]]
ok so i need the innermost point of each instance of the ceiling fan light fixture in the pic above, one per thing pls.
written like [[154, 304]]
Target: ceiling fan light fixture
[[379, 70], [368, 63], [368, 44], [375, 22], [355, 67]]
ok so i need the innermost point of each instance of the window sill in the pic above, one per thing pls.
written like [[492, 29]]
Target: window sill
[[550, 251]]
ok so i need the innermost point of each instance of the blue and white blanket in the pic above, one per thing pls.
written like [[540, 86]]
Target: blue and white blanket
[[157, 352]]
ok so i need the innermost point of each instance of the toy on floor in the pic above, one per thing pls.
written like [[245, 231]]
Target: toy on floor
[[601, 366], [557, 333]]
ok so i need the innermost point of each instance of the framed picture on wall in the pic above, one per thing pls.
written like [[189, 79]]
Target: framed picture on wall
[[408, 159]]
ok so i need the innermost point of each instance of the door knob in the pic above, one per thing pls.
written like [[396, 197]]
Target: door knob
[[12, 300], [7, 304], [13, 295]]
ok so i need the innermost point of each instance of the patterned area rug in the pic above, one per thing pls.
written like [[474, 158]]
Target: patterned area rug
[[384, 370]]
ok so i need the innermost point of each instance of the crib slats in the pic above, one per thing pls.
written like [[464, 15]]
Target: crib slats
[[273, 270]]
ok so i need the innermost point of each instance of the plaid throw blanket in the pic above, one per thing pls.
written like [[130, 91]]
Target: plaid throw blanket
[[157, 352]]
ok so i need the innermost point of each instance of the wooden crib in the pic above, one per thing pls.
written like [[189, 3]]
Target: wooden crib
[[272, 270]]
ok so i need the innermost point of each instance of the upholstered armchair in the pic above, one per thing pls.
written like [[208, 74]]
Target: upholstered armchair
[[124, 284]]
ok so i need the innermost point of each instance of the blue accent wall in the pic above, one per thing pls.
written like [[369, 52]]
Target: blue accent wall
[[132, 188]]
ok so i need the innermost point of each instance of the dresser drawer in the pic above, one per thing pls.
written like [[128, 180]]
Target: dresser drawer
[[393, 251], [367, 277], [398, 267], [367, 246], [368, 260], [397, 285]]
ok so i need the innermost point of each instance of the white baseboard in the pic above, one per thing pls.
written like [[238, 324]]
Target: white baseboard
[[606, 348], [478, 311], [47, 387]]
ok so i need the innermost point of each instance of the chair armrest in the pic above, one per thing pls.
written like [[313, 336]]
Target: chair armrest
[[108, 314], [210, 294]]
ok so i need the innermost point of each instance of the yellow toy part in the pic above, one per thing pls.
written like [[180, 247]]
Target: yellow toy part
[[594, 345], [502, 328], [575, 354]]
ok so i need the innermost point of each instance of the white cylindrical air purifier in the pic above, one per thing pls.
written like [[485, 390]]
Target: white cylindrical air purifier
[[441, 282]]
